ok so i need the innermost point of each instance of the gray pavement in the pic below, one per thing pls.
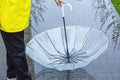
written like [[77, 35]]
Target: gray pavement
[[2, 60], [106, 67]]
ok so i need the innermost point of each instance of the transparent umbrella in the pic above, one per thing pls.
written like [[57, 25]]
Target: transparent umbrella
[[67, 47]]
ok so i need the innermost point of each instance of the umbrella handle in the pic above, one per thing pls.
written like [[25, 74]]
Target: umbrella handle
[[66, 41], [62, 8]]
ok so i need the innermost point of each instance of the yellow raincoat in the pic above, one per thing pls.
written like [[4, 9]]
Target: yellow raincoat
[[14, 15]]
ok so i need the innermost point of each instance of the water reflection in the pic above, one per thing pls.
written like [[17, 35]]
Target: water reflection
[[104, 14], [52, 74], [108, 19], [37, 10]]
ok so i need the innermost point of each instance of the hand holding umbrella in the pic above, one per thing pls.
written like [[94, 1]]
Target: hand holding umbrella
[[59, 2]]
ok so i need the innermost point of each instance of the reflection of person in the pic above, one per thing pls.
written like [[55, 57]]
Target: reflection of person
[[14, 18]]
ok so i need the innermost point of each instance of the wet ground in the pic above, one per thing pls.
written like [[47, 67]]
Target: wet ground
[[105, 67]]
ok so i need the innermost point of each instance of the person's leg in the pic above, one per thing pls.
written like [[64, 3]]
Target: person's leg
[[11, 72], [14, 43]]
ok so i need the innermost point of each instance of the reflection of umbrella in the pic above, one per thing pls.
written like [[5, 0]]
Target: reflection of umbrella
[[67, 48], [52, 74]]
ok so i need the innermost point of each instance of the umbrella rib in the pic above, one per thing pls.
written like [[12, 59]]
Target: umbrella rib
[[74, 41], [56, 58], [54, 45], [82, 56], [94, 41], [79, 56], [87, 35], [84, 41], [99, 49], [78, 53], [57, 62], [77, 59], [73, 61], [75, 53], [102, 45], [72, 51], [86, 38], [42, 47], [31, 48]]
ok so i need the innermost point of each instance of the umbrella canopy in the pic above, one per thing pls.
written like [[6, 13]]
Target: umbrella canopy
[[84, 45], [53, 74]]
